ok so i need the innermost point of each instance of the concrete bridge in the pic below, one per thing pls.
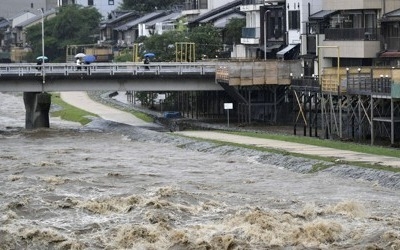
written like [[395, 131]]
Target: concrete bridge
[[37, 80], [108, 76]]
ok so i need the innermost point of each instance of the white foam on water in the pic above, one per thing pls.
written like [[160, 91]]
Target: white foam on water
[[66, 188]]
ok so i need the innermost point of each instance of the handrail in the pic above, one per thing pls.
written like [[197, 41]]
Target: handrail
[[31, 69]]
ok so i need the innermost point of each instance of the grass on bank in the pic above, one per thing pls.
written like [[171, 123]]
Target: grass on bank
[[316, 167], [141, 116], [69, 112], [355, 147], [74, 114]]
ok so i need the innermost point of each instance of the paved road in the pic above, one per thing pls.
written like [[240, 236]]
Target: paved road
[[82, 100]]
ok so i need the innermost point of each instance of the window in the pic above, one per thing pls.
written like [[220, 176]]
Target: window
[[294, 20], [110, 2], [90, 2], [203, 4], [66, 2]]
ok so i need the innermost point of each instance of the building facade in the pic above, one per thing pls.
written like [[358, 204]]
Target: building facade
[[11, 8], [105, 7]]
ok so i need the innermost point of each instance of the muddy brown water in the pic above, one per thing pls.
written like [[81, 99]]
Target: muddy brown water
[[111, 186]]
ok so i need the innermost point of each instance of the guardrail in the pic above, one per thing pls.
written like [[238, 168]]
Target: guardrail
[[31, 69]]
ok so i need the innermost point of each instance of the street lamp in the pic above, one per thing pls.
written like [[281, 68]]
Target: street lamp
[[43, 60], [265, 34]]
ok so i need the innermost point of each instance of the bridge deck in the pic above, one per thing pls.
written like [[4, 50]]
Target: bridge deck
[[29, 69], [108, 76]]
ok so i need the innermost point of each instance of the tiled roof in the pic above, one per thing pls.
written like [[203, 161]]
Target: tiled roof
[[36, 18], [216, 11], [139, 20], [173, 16]]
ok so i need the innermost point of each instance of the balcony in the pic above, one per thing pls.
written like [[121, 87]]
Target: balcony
[[305, 83], [250, 36], [392, 43], [251, 5], [195, 5], [351, 5], [252, 2], [351, 34], [250, 32], [367, 85]]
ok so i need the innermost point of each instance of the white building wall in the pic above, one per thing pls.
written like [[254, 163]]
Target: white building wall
[[306, 8], [11, 8], [159, 28], [142, 30], [103, 6], [239, 51], [22, 18], [293, 35]]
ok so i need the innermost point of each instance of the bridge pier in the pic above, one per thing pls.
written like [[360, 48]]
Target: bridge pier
[[37, 107]]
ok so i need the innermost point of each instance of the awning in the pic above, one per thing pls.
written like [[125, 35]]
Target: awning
[[320, 15], [390, 54], [288, 48], [308, 56], [391, 16], [269, 48]]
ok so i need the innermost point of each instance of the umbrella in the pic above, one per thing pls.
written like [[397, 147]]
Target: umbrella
[[79, 55], [149, 55], [41, 58], [89, 59]]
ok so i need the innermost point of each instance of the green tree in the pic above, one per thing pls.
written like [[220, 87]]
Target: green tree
[[207, 39], [163, 46], [233, 31], [73, 24], [125, 55], [147, 6]]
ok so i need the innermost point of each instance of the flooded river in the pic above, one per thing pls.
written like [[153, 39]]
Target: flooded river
[[114, 186]]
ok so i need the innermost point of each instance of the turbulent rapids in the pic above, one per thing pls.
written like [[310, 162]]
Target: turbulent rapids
[[113, 186]]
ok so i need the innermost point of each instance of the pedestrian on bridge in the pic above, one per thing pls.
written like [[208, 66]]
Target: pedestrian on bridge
[[146, 61], [38, 63], [78, 63]]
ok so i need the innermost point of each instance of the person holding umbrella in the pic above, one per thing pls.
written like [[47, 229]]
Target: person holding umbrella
[[78, 63], [146, 61], [39, 61]]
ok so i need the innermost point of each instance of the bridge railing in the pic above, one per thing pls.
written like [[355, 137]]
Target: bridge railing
[[18, 69], [28, 69]]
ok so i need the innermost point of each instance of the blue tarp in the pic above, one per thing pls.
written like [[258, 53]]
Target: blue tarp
[[173, 114]]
